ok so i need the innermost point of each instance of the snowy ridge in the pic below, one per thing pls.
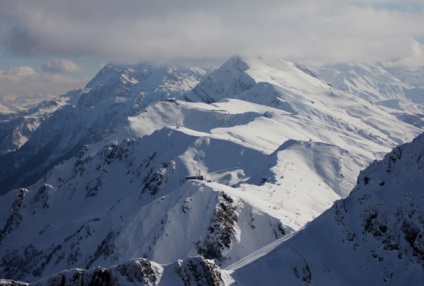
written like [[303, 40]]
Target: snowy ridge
[[227, 81], [17, 128], [144, 82], [369, 81], [379, 227], [198, 218], [283, 85], [113, 95], [396, 90]]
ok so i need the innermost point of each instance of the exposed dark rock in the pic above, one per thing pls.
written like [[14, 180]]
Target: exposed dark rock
[[221, 230]]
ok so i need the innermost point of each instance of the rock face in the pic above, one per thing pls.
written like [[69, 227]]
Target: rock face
[[374, 236], [192, 271]]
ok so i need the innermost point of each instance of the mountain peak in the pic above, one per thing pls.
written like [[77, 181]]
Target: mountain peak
[[228, 80], [235, 63], [143, 83]]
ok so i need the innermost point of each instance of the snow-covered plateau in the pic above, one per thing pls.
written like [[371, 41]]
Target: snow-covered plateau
[[236, 175]]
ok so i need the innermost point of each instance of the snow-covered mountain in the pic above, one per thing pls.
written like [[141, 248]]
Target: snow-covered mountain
[[275, 146], [397, 90], [373, 237], [370, 81], [104, 105], [17, 128]]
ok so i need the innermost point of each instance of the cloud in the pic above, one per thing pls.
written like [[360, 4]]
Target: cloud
[[139, 30], [18, 72], [23, 85], [60, 66], [413, 59]]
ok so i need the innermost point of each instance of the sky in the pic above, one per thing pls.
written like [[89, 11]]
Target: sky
[[48, 47]]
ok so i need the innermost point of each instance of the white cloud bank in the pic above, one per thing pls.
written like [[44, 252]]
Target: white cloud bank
[[23, 86], [60, 66], [139, 30]]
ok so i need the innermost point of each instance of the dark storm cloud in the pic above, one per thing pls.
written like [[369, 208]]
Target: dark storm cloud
[[139, 30], [21, 42]]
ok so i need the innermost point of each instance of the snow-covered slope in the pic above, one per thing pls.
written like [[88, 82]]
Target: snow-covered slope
[[275, 145], [411, 75], [373, 237], [86, 216], [399, 91], [369, 81], [17, 128], [289, 87], [114, 94]]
